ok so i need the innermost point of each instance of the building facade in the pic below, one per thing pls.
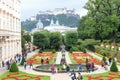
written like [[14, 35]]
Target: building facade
[[10, 29]]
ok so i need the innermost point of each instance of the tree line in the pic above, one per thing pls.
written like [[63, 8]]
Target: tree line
[[102, 20]]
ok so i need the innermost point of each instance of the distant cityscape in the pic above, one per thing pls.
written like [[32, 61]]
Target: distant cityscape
[[56, 11]]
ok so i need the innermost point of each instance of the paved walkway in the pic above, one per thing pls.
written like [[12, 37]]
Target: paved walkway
[[32, 53], [3, 70], [58, 58], [68, 61]]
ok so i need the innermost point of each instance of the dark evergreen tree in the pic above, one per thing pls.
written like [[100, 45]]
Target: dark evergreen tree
[[14, 67], [113, 67]]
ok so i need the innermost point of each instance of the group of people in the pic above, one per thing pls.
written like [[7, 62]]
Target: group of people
[[89, 66], [67, 69], [8, 63], [44, 61]]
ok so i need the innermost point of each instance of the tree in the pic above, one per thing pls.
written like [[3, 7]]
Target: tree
[[55, 39], [71, 38], [23, 60], [41, 39], [27, 37], [14, 67], [102, 18], [113, 67]]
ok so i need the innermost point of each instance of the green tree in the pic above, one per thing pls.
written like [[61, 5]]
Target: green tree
[[27, 37], [55, 39], [113, 67], [41, 39], [102, 18], [14, 67], [71, 38], [23, 60]]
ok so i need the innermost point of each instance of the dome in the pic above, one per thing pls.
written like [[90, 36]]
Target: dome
[[39, 24]]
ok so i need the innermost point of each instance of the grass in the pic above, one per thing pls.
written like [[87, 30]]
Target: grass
[[103, 75], [52, 62], [21, 75], [71, 58]]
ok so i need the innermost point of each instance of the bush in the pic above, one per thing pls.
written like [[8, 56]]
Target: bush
[[82, 48], [113, 67], [104, 59], [54, 51], [40, 51], [23, 60], [14, 67], [91, 47], [74, 49]]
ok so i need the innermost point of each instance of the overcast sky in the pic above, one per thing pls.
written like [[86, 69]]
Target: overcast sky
[[32, 7]]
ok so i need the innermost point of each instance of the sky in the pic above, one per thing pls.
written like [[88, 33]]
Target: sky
[[32, 7]]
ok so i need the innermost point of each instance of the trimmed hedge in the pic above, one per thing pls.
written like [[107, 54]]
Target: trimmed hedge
[[14, 67], [113, 67]]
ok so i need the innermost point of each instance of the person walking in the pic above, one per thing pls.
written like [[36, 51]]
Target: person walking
[[67, 69], [110, 60], [93, 66], [80, 67], [31, 65], [79, 76], [25, 64], [87, 67], [42, 61], [52, 69], [73, 75]]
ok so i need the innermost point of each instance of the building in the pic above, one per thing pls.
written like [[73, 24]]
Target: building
[[60, 28], [10, 29], [39, 26]]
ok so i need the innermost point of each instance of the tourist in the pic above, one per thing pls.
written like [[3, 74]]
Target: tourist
[[25, 64], [52, 69], [93, 66], [3, 64], [55, 59], [102, 63], [42, 61], [79, 76], [110, 60], [73, 75], [80, 67], [8, 65], [47, 61], [86, 60], [31, 65], [67, 69], [87, 67]]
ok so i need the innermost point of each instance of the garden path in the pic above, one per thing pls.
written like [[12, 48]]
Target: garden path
[[68, 61], [58, 58]]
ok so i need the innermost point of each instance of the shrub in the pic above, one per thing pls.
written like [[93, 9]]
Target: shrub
[[113, 67], [82, 48], [54, 51], [74, 49], [104, 59], [91, 47], [23, 60], [14, 67]]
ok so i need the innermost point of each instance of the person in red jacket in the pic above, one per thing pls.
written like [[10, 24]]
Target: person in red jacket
[[52, 69]]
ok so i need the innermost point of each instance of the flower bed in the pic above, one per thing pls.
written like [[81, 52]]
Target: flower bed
[[109, 76], [37, 58], [18, 76], [81, 58]]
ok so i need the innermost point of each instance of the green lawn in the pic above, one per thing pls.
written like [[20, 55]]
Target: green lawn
[[103, 76], [71, 58], [21, 76]]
